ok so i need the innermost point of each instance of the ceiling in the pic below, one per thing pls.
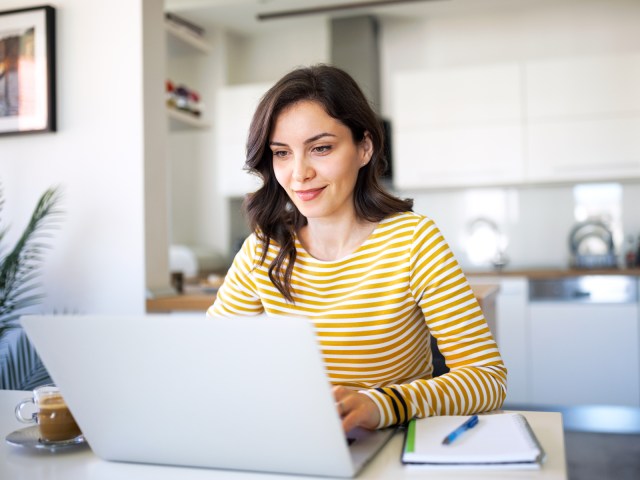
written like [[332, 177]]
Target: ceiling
[[240, 15]]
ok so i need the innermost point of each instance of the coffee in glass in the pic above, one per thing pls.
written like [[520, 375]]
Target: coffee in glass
[[55, 421]]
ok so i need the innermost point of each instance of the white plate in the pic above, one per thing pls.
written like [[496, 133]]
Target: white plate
[[30, 438]]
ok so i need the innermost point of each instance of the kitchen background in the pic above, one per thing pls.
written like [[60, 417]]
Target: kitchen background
[[534, 104], [509, 181]]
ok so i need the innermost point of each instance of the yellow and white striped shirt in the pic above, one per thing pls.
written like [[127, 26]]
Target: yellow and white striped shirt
[[374, 312]]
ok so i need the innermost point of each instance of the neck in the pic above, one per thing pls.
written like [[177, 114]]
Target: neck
[[332, 240]]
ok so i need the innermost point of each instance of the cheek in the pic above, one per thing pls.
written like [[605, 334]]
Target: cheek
[[351, 170], [281, 173]]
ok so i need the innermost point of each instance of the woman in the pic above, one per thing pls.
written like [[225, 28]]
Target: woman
[[376, 279]]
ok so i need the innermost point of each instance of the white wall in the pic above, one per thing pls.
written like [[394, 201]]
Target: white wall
[[97, 263]]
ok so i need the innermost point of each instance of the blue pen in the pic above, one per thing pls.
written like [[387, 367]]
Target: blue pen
[[470, 423]]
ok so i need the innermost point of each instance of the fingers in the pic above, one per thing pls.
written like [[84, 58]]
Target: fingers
[[344, 405], [350, 421], [353, 413], [348, 415], [355, 409], [340, 392]]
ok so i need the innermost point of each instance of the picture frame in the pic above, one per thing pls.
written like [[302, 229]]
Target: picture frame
[[27, 71]]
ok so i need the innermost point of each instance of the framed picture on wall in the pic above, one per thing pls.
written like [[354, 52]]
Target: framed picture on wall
[[27, 71]]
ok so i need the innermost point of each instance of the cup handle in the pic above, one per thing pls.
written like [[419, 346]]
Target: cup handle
[[20, 406]]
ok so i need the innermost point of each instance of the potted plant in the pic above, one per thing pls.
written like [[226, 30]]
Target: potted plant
[[20, 366]]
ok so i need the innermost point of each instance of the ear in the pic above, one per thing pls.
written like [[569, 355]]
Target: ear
[[365, 149]]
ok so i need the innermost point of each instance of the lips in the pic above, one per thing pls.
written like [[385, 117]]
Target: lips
[[307, 195]]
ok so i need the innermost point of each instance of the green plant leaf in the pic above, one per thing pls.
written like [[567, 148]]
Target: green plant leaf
[[19, 266], [20, 366]]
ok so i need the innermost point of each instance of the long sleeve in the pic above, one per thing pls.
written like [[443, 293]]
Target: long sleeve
[[238, 295], [476, 381]]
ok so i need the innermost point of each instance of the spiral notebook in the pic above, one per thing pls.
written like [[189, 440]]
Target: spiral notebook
[[501, 440]]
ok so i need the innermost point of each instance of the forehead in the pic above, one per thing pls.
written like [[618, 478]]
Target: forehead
[[304, 113], [309, 108]]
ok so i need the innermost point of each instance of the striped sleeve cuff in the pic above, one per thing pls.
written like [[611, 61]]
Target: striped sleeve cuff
[[391, 405]]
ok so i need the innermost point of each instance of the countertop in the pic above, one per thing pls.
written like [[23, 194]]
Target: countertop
[[551, 272], [195, 299], [484, 292]]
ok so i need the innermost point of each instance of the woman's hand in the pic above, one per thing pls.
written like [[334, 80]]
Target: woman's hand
[[355, 409]]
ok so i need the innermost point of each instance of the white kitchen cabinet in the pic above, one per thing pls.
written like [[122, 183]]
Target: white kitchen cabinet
[[469, 156], [512, 329], [583, 118], [566, 119], [582, 86], [512, 333], [458, 97], [235, 106], [584, 354], [584, 149], [456, 127]]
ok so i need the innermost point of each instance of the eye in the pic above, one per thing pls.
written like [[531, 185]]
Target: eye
[[322, 149], [280, 153]]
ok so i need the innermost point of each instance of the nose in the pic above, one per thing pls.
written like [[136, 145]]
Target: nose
[[302, 170]]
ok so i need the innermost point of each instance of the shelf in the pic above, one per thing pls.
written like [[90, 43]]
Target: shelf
[[182, 41], [186, 303], [183, 121]]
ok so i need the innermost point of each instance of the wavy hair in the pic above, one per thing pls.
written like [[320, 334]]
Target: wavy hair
[[269, 210]]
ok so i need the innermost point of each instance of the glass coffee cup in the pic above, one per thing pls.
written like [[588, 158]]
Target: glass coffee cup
[[55, 421]]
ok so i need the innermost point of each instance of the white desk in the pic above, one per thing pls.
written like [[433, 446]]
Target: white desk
[[18, 463]]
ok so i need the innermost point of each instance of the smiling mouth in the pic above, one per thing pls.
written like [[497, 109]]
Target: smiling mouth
[[306, 195]]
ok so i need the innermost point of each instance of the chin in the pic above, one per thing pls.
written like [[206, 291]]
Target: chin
[[310, 212]]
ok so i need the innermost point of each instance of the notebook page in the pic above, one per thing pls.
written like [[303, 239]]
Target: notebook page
[[498, 438]]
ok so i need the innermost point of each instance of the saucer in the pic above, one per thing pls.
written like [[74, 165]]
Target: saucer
[[30, 438]]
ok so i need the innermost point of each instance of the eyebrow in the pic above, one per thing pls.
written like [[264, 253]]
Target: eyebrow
[[307, 141]]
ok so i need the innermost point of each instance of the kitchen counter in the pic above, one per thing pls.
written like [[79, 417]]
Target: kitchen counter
[[551, 272], [188, 302], [195, 299], [484, 292], [486, 295]]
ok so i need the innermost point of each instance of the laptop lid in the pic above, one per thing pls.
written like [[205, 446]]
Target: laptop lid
[[246, 393]]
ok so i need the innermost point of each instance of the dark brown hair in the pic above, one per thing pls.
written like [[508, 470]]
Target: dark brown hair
[[269, 211]]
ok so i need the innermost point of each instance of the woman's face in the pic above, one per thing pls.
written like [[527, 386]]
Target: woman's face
[[316, 160]]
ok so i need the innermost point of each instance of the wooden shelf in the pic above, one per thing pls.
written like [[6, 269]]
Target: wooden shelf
[[181, 303], [181, 41], [184, 121]]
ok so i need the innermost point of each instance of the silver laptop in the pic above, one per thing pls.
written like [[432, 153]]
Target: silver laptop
[[239, 393]]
